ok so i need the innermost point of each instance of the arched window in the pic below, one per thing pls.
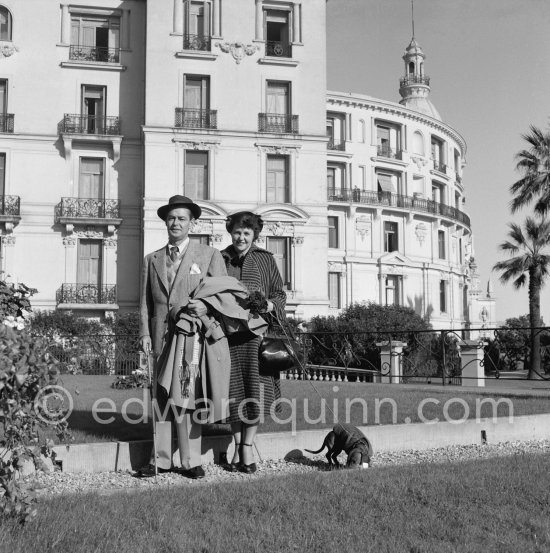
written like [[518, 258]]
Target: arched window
[[411, 68], [5, 24], [418, 143]]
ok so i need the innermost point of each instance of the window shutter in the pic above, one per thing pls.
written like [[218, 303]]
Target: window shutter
[[196, 175]]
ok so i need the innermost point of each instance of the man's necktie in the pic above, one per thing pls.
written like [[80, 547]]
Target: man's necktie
[[173, 253]]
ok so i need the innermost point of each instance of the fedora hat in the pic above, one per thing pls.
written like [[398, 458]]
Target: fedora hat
[[179, 201]]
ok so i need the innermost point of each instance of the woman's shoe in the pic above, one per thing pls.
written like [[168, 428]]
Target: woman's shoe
[[248, 469], [233, 467]]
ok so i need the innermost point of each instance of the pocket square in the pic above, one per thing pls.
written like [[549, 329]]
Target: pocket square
[[195, 270]]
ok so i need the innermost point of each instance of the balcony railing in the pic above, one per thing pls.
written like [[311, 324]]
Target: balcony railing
[[6, 122], [94, 53], [10, 205], [414, 79], [90, 124], [388, 199], [386, 151], [197, 42], [334, 144], [196, 118], [86, 293], [439, 166], [278, 123], [88, 208], [278, 49]]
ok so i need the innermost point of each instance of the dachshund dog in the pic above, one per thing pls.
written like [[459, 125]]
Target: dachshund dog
[[348, 438]]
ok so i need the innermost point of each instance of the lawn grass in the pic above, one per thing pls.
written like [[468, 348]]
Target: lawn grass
[[498, 505], [403, 402]]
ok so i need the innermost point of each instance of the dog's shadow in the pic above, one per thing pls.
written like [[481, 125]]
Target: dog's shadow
[[297, 456]]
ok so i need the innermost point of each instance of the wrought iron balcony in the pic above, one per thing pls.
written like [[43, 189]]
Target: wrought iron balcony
[[90, 124], [386, 151], [10, 206], [88, 208], [414, 79], [196, 118], [6, 122], [339, 145], [439, 166], [278, 123], [278, 49], [197, 42], [87, 294], [389, 199], [94, 53]]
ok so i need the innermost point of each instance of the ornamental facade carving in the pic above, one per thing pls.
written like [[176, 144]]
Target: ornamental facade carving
[[238, 49], [277, 149], [363, 226], [421, 231], [201, 226], [7, 49]]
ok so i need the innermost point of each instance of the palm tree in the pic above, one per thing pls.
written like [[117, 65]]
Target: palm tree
[[534, 163], [531, 261]]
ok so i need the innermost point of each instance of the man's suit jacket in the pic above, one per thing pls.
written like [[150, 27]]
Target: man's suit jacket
[[157, 298]]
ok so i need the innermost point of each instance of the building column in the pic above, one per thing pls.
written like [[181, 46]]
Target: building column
[[216, 31], [296, 23], [65, 25], [125, 30], [259, 21], [178, 17]]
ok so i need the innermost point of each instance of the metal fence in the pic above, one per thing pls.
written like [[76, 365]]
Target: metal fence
[[432, 356]]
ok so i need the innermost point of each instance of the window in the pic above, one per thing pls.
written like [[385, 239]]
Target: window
[[438, 154], [95, 38], [91, 182], [6, 120], [196, 26], [389, 183], [2, 176], [388, 139], [438, 192], [196, 103], [278, 116], [280, 249], [277, 34], [89, 262], [336, 133], [363, 176], [336, 178], [277, 179], [334, 290], [195, 180], [5, 24], [393, 290], [93, 109], [443, 296], [441, 244], [390, 236], [457, 201], [333, 241]]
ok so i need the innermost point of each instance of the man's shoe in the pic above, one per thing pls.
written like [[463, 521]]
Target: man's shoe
[[148, 471], [194, 472], [248, 469]]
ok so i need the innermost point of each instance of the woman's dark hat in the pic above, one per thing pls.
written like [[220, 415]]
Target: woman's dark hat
[[255, 221], [179, 201]]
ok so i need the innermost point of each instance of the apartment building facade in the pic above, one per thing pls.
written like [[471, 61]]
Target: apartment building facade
[[111, 107]]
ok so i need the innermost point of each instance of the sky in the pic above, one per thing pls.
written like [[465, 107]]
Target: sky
[[489, 68]]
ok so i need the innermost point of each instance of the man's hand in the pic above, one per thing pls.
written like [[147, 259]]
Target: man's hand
[[196, 308], [145, 344]]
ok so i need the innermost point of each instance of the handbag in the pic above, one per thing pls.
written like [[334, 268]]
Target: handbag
[[278, 349]]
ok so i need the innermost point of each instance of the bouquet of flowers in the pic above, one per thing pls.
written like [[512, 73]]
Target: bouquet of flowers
[[257, 302]]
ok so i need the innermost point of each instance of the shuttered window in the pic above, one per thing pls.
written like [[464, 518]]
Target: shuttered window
[[91, 182], [196, 175], [277, 179], [334, 290], [280, 249], [89, 262]]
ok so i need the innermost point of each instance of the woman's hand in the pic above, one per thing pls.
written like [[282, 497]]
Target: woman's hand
[[270, 306]]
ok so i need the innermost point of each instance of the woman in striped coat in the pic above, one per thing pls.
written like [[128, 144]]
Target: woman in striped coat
[[251, 394]]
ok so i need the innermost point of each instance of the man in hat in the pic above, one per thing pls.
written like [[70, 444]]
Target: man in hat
[[169, 277]]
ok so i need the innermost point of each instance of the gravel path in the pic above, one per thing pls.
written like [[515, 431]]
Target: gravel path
[[106, 483]]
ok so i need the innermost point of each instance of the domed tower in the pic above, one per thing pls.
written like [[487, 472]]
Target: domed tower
[[414, 87]]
